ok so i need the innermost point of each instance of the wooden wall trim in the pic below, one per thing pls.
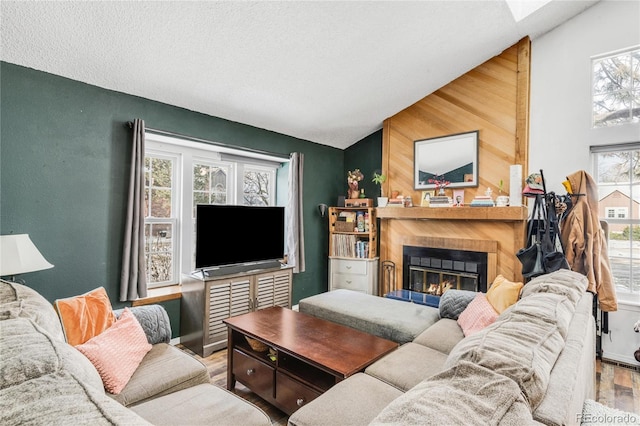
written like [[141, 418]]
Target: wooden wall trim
[[522, 105]]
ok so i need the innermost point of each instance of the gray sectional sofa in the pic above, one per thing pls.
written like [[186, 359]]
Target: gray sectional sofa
[[45, 381], [534, 365]]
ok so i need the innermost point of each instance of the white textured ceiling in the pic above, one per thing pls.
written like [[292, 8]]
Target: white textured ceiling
[[328, 72]]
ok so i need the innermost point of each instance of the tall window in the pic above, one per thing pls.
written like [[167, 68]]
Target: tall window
[[180, 174], [616, 88], [617, 172], [160, 219]]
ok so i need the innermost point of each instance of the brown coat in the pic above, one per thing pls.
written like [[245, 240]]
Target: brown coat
[[585, 243]]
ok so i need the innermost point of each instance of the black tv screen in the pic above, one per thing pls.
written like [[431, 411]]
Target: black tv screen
[[230, 235]]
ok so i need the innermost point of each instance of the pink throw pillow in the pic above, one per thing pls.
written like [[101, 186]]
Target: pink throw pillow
[[477, 315], [117, 351]]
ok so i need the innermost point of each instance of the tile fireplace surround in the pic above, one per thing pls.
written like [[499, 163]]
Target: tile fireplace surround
[[497, 231]]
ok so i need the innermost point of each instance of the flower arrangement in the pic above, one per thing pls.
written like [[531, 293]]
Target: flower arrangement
[[353, 177], [440, 182]]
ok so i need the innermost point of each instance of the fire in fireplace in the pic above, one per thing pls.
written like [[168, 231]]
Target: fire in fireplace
[[434, 270]]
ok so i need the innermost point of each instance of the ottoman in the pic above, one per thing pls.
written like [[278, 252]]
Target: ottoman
[[390, 319]]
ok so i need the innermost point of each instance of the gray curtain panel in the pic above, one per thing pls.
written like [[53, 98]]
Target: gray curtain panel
[[295, 228], [133, 283]]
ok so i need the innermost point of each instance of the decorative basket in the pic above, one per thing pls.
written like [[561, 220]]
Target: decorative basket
[[256, 345], [342, 226]]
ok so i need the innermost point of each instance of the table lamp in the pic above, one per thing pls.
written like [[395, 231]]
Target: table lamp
[[18, 255]]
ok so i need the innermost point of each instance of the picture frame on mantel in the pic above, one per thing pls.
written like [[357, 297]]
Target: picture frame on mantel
[[453, 158]]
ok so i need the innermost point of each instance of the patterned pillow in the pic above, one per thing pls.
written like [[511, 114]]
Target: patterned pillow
[[85, 316], [117, 352], [503, 293], [453, 302], [478, 314]]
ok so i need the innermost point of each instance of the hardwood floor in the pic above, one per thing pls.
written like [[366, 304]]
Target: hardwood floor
[[616, 386]]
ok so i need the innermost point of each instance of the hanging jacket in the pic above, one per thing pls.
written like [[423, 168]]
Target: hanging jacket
[[585, 243]]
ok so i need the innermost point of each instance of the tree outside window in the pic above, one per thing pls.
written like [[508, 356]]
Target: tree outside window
[[616, 89], [257, 189]]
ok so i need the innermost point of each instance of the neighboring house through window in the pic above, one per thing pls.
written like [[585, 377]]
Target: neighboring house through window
[[616, 169], [179, 174]]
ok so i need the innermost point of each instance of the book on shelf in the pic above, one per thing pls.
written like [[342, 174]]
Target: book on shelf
[[440, 201], [482, 201], [345, 245], [395, 202]]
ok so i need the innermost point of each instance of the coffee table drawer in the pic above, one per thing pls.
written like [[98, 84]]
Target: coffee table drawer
[[254, 374], [291, 394]]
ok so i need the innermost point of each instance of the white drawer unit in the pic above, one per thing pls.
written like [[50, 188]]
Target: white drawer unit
[[354, 274]]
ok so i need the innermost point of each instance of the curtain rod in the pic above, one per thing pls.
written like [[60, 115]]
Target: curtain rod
[[129, 124]]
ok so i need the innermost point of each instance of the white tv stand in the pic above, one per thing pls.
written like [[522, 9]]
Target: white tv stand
[[209, 297]]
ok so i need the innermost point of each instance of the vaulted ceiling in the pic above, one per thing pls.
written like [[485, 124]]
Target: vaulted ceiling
[[328, 72]]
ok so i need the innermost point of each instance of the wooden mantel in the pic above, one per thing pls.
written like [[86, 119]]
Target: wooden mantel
[[454, 213]]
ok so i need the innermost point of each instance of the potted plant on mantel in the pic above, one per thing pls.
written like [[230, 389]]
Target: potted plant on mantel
[[379, 179]]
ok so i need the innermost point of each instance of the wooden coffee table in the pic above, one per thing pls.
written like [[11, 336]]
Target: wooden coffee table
[[302, 356]]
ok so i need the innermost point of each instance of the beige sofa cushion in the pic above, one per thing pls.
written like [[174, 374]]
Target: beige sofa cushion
[[441, 336], [60, 399], [204, 404], [407, 366], [163, 370], [19, 301], [565, 282], [27, 352], [573, 376], [354, 401], [45, 381], [523, 344], [465, 394]]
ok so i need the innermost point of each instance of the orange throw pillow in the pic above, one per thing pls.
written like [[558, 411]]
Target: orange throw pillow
[[85, 316], [503, 293], [117, 352]]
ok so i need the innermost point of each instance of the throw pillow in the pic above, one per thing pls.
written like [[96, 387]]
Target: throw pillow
[[503, 293], [478, 314], [117, 352], [453, 302], [85, 316]]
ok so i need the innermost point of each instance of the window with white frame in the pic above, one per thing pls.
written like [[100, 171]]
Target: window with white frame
[[616, 169], [181, 174], [160, 218], [616, 88]]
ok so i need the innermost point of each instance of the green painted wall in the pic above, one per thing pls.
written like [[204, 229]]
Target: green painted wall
[[64, 151], [365, 155]]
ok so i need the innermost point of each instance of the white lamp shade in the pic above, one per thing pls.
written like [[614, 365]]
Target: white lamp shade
[[18, 255]]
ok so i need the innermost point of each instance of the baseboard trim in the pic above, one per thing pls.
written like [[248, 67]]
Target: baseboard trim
[[622, 364]]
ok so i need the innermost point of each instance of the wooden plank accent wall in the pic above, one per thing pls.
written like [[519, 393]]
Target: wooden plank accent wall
[[492, 98]]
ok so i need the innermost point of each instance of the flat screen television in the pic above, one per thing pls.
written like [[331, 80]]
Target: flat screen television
[[229, 235]]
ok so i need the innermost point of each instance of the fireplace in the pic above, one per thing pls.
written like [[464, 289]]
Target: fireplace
[[432, 270]]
